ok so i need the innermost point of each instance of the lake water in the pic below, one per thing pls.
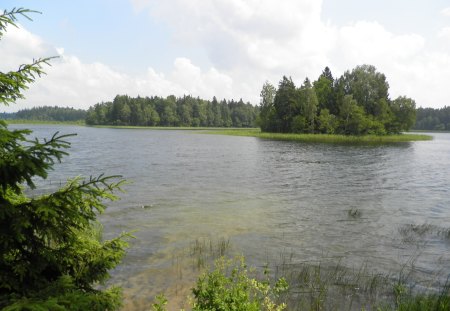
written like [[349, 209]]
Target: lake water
[[267, 197]]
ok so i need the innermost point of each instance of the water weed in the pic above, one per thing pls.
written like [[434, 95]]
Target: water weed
[[324, 138]]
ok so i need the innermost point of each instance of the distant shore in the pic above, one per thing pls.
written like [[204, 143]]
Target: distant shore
[[22, 121], [255, 132]]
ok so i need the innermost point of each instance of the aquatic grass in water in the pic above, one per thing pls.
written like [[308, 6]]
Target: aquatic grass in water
[[332, 286], [415, 232], [324, 138], [327, 284], [205, 251]]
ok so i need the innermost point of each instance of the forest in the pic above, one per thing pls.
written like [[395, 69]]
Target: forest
[[357, 103], [47, 113], [430, 119], [183, 111]]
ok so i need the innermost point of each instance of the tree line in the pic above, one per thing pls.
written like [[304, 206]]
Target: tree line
[[172, 111], [357, 103], [433, 119], [47, 113]]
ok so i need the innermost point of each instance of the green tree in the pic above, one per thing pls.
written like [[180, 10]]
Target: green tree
[[324, 87], [225, 114], [150, 116], [353, 120], [168, 115], [327, 122], [184, 110], [308, 105], [368, 87], [120, 110], [267, 109], [286, 105], [404, 111], [51, 252]]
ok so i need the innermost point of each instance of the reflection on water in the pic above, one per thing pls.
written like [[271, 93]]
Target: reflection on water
[[267, 197]]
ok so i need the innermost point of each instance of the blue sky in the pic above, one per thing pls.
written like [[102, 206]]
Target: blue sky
[[226, 48]]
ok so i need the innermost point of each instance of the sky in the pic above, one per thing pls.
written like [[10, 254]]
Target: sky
[[224, 48]]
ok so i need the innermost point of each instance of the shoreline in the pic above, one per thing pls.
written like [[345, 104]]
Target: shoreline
[[326, 138]]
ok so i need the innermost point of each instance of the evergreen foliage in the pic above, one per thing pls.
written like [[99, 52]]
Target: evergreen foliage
[[172, 111], [52, 256], [357, 103]]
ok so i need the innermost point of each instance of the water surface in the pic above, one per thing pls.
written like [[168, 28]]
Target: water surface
[[267, 197]]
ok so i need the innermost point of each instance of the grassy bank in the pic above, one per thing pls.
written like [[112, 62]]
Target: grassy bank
[[324, 138]]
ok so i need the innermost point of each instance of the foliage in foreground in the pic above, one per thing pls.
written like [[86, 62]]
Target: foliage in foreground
[[52, 256], [231, 285], [323, 285]]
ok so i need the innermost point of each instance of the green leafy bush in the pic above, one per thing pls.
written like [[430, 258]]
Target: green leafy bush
[[230, 287]]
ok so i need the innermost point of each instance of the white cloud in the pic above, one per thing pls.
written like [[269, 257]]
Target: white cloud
[[247, 42], [70, 82], [446, 12], [17, 45], [369, 42], [255, 40]]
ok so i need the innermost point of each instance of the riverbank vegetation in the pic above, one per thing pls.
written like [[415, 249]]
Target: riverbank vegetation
[[171, 111], [357, 103], [323, 138]]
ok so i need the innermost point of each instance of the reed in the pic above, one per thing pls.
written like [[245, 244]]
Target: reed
[[324, 138]]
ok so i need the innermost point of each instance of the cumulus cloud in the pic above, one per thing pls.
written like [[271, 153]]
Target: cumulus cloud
[[257, 40], [258, 34], [17, 45], [247, 42], [70, 82]]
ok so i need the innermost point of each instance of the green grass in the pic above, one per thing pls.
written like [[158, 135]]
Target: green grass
[[324, 138]]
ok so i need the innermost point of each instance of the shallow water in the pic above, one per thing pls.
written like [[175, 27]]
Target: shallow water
[[266, 197]]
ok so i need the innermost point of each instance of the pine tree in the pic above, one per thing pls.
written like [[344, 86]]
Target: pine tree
[[51, 253]]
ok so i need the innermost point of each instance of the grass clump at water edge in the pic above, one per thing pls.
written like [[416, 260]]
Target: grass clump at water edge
[[324, 138]]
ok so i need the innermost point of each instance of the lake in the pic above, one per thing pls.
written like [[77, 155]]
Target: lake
[[268, 198]]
